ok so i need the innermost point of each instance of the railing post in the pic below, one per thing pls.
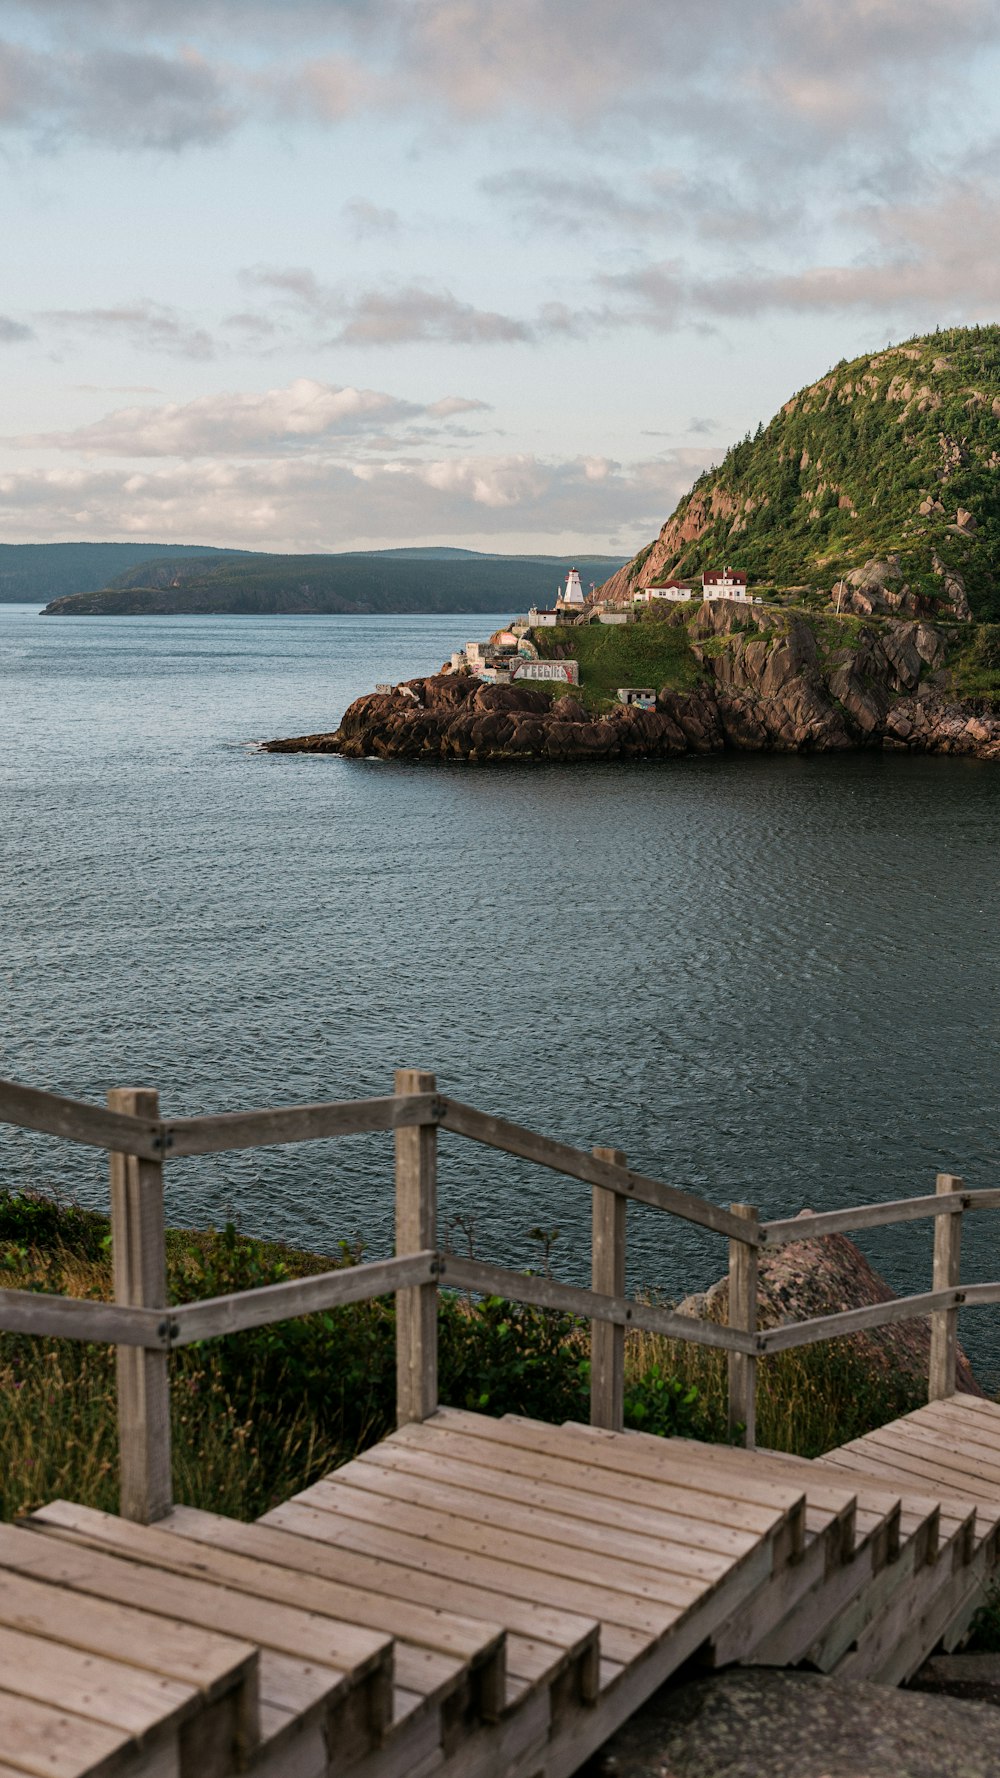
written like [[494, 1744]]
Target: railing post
[[138, 1248], [743, 1314], [947, 1275], [607, 1341], [416, 1230]]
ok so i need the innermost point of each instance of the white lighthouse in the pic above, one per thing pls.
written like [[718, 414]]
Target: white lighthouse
[[571, 598]]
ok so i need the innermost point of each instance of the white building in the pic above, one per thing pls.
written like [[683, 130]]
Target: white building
[[571, 598], [725, 583], [543, 620], [671, 589]]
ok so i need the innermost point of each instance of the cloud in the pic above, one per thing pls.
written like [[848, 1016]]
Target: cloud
[[13, 332], [130, 99], [326, 504], [369, 222], [146, 325], [302, 416], [391, 315]]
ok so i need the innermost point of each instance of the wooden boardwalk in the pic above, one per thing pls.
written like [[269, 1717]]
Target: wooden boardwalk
[[482, 1598]]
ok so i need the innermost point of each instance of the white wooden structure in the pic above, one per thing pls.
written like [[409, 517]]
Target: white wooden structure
[[470, 1597]]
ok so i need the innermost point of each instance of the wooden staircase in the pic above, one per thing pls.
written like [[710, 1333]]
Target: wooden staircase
[[482, 1598]]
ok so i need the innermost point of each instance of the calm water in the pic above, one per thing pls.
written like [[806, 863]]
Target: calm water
[[766, 979]]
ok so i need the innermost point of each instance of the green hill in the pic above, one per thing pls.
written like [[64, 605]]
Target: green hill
[[377, 581], [30, 573], [893, 454]]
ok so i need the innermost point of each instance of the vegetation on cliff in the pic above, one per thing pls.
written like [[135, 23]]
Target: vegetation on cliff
[[894, 453]]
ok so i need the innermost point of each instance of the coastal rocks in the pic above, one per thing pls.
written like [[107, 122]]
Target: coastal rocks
[[770, 683], [878, 588], [806, 1279]]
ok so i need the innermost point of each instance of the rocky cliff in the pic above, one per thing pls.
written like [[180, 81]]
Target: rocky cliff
[[882, 474], [769, 680]]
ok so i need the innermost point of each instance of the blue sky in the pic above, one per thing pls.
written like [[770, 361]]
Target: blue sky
[[504, 274]]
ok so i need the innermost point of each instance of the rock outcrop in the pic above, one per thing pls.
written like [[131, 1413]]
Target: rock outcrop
[[808, 1279], [769, 684]]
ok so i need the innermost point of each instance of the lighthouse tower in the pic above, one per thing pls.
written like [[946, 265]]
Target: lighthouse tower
[[571, 598]]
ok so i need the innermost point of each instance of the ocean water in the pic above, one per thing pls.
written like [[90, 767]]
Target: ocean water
[[767, 979]]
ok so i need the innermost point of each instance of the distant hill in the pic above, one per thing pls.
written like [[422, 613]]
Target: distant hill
[[30, 573], [382, 580], [893, 454]]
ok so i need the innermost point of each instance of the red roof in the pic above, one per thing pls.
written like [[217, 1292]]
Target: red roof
[[710, 578]]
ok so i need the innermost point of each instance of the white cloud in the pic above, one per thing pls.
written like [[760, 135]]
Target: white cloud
[[144, 324], [304, 504], [301, 416]]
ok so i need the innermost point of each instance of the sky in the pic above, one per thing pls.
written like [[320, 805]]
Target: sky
[[504, 274]]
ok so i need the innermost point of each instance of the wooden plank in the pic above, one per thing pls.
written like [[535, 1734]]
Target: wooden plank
[[138, 1248], [743, 1315], [671, 1555], [952, 1420], [425, 1669], [527, 1287], [299, 1296], [78, 1318], [49, 1742], [492, 1574], [416, 1231], [903, 1467], [230, 1130], [548, 1484], [310, 1545], [529, 1550], [470, 1640], [812, 1227], [829, 1327], [167, 1647], [90, 1685], [593, 1490], [305, 1635], [76, 1121], [575, 1163], [947, 1276], [968, 1463], [607, 1278], [635, 1454]]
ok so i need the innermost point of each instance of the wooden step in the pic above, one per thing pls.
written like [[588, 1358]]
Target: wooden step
[[142, 1669], [751, 1507], [342, 1675]]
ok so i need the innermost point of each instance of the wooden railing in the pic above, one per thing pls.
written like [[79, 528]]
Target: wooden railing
[[145, 1329]]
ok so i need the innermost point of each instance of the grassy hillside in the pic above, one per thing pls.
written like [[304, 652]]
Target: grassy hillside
[[389, 581], [646, 653], [882, 455]]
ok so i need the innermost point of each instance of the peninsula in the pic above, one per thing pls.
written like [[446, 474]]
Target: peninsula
[[833, 584]]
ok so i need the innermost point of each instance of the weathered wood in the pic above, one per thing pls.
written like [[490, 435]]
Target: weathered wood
[[299, 1296], [743, 1315], [497, 1132], [947, 1275], [138, 1244], [607, 1338], [526, 1287], [297, 1123], [847, 1321], [416, 1231], [76, 1121], [77, 1318], [866, 1216]]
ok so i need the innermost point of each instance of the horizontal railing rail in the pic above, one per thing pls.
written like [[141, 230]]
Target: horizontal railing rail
[[145, 1329]]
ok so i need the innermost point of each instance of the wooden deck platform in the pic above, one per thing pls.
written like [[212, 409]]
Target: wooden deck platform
[[482, 1598]]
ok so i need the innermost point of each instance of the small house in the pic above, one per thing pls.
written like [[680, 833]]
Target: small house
[[637, 697], [725, 583]]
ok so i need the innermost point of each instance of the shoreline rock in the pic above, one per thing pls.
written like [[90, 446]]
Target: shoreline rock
[[769, 688]]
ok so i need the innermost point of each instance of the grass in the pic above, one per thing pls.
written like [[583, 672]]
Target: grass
[[656, 653]]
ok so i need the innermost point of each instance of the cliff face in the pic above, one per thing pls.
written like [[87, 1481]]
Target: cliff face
[[768, 682], [883, 472]]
